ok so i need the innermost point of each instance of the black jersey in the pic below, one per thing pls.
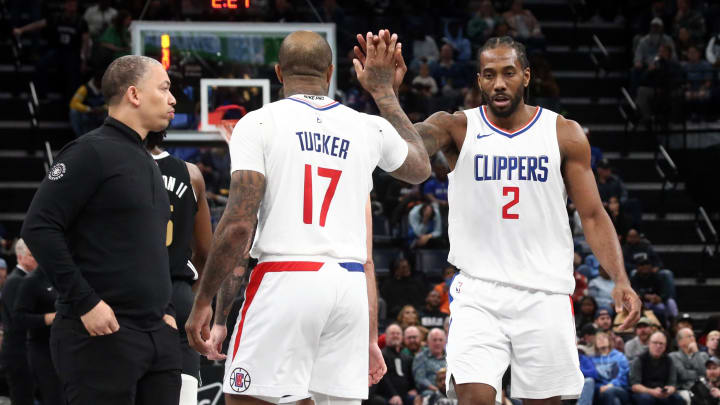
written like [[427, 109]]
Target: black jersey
[[183, 206]]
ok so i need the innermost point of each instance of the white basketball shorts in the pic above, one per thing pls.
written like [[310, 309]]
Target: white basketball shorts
[[303, 328], [494, 325]]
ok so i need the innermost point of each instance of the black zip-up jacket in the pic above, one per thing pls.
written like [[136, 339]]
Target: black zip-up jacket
[[97, 227]]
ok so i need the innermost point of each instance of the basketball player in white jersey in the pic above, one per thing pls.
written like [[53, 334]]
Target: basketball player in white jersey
[[302, 171], [513, 167]]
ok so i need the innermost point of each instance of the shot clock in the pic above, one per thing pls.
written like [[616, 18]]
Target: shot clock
[[229, 4]]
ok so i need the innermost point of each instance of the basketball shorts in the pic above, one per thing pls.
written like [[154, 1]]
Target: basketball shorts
[[303, 329], [494, 325]]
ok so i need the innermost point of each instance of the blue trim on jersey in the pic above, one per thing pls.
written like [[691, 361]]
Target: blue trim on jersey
[[352, 266], [337, 103], [509, 134], [450, 297]]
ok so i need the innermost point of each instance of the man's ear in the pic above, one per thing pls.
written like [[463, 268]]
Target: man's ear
[[133, 96], [278, 72]]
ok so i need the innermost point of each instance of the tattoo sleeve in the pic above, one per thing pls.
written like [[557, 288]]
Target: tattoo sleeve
[[228, 291], [417, 165], [427, 133], [232, 239]]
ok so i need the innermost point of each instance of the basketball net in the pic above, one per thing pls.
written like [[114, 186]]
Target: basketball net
[[226, 128]]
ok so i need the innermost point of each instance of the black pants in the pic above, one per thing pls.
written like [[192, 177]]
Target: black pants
[[183, 299], [20, 380], [124, 368], [48, 383]]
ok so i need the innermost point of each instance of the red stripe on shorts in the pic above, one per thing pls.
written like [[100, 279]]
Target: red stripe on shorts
[[572, 306], [256, 277]]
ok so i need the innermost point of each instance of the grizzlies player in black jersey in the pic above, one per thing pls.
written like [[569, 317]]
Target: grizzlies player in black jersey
[[189, 234]]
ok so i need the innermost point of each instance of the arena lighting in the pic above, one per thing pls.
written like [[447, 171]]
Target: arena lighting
[[228, 4], [165, 46]]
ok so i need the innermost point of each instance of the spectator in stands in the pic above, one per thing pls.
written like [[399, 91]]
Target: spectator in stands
[[581, 283], [612, 368], [543, 85], [453, 35], [426, 227], [601, 288], [98, 17], [430, 315], [481, 25], [115, 41], [604, 322], [472, 99], [711, 343], [443, 288], [87, 107], [620, 219], [689, 19], [424, 49], [586, 313], [650, 288], [639, 344], [438, 397], [401, 288], [634, 248], [683, 44], [448, 74], [412, 341], [699, 74], [712, 377], [397, 386], [429, 361], [435, 188], [653, 377], [649, 45], [610, 184], [408, 316], [590, 373], [400, 197], [658, 84], [424, 82], [689, 362], [684, 321], [586, 343], [3, 274], [68, 51], [524, 26]]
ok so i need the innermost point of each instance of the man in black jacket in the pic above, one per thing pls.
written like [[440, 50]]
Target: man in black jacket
[[13, 355], [97, 225], [653, 377], [397, 386]]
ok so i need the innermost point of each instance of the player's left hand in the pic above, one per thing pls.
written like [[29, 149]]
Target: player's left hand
[[400, 67], [217, 337], [198, 327], [627, 302], [377, 365], [170, 321]]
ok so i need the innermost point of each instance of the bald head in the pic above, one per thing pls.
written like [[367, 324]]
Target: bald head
[[304, 53], [122, 73]]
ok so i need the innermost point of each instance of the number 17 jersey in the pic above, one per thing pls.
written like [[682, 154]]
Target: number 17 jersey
[[317, 157], [507, 218]]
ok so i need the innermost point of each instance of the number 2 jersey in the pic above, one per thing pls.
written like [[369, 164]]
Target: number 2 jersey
[[317, 156], [507, 201]]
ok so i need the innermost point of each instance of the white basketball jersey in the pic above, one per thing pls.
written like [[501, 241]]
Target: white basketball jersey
[[317, 157], [508, 220]]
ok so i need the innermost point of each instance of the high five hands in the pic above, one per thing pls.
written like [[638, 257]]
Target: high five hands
[[379, 54]]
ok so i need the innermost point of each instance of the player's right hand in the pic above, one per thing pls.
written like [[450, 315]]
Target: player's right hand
[[400, 67], [627, 302], [217, 337], [100, 320], [377, 73], [197, 327], [377, 367]]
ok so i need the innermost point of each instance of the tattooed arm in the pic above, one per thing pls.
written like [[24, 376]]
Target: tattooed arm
[[231, 243], [377, 75]]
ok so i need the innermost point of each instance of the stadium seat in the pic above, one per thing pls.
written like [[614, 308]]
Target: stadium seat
[[431, 262], [383, 259]]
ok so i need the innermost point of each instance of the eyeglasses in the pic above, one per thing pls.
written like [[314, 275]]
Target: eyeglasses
[[658, 343]]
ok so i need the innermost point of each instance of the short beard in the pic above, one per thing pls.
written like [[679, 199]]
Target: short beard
[[514, 102]]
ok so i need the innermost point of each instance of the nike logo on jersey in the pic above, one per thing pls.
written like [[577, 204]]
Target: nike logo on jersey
[[483, 136]]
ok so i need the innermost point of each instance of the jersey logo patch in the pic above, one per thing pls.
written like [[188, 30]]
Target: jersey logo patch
[[239, 380], [483, 136], [56, 172]]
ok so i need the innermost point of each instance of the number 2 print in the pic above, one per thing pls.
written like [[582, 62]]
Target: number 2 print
[[515, 191]]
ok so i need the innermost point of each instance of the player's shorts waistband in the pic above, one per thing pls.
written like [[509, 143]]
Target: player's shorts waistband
[[304, 265]]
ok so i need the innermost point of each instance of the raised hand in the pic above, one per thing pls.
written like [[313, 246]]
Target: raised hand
[[400, 67], [377, 73]]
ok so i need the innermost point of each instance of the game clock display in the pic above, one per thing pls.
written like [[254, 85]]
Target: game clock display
[[229, 4]]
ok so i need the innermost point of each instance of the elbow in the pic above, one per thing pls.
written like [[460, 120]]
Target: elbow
[[423, 173]]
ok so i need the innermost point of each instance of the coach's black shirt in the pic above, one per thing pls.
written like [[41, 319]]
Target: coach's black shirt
[[97, 227], [14, 333]]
